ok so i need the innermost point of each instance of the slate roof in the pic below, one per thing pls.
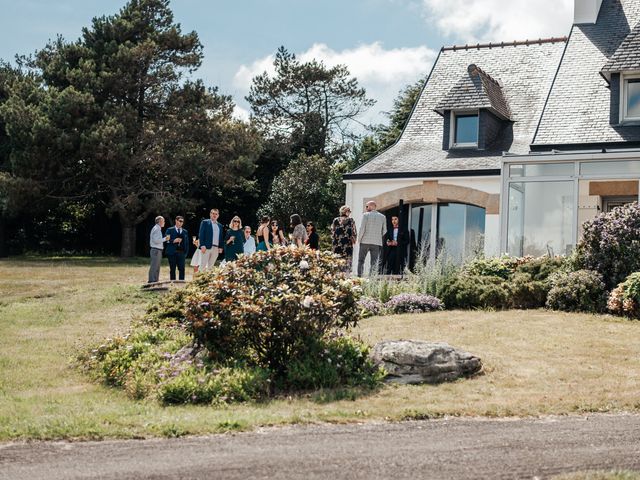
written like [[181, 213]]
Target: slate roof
[[578, 108], [526, 70], [626, 56], [476, 89]]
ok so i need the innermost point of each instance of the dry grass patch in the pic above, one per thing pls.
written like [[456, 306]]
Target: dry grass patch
[[536, 362]]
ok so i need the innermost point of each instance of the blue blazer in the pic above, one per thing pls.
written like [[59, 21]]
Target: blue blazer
[[206, 235], [172, 248]]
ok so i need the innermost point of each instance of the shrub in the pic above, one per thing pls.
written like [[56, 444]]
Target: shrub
[[491, 267], [540, 268], [579, 291], [625, 298], [527, 292], [474, 291], [370, 307], [413, 303], [332, 363], [610, 244], [266, 308]]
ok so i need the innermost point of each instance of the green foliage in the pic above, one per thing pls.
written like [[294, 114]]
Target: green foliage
[[333, 363], [610, 244], [266, 307], [310, 186], [502, 267], [475, 291], [307, 104], [527, 292], [579, 291], [625, 298], [223, 385]]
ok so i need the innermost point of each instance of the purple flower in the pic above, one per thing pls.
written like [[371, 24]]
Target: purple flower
[[413, 303]]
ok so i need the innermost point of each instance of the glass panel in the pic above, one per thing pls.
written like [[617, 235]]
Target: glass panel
[[541, 170], [633, 98], [610, 168], [540, 218], [466, 129], [421, 228], [460, 231]]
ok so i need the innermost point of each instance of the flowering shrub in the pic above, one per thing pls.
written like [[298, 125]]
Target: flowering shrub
[[579, 291], [370, 307], [625, 298], [502, 267], [266, 308], [413, 303], [610, 244]]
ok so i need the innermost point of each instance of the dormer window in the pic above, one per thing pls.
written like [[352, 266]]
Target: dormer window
[[465, 130], [631, 98]]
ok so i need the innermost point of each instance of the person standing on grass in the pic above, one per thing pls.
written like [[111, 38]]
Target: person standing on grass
[[372, 229], [299, 236], [234, 240], [344, 235], [211, 240], [249, 242], [177, 248], [156, 244]]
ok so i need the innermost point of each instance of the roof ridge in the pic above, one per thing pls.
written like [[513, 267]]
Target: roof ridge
[[515, 43]]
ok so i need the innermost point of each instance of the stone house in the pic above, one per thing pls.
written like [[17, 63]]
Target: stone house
[[512, 146]]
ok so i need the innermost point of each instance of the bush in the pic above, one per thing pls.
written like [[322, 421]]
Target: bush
[[491, 267], [475, 291], [267, 307], [333, 363], [625, 298], [413, 303], [527, 292], [579, 291], [540, 268], [610, 244], [370, 307]]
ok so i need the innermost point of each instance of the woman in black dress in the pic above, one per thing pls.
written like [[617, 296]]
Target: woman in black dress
[[313, 239]]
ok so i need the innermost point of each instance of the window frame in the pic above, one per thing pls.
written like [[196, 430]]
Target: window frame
[[624, 81], [454, 127]]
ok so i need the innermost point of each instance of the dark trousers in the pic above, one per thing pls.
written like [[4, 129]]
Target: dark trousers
[[176, 260], [391, 261]]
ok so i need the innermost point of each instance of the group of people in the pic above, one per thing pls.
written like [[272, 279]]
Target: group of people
[[214, 241], [385, 247]]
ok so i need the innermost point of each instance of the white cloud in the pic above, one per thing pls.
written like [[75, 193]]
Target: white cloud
[[240, 113], [382, 72], [500, 20]]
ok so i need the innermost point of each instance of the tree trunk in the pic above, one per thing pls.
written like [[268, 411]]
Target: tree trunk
[[128, 246], [3, 244]]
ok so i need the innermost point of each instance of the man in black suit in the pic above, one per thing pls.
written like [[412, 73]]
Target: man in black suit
[[395, 243], [177, 248]]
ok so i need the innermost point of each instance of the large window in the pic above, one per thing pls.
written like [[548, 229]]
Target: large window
[[465, 130], [458, 234], [540, 219]]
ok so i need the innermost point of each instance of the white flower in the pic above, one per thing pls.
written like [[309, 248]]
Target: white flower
[[307, 302], [304, 265]]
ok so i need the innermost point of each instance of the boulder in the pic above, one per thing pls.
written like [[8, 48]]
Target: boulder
[[413, 361]]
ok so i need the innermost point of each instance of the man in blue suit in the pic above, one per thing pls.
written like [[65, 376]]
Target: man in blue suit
[[177, 248], [211, 240]]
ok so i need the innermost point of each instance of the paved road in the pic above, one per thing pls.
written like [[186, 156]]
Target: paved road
[[442, 449]]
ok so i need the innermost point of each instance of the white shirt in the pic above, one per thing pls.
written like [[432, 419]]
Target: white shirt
[[156, 240], [216, 233], [395, 234], [249, 245]]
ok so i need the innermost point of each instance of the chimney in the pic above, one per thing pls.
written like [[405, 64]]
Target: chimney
[[586, 11]]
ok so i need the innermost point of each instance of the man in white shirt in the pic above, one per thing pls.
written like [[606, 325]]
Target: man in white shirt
[[249, 242], [156, 242], [372, 229], [211, 240]]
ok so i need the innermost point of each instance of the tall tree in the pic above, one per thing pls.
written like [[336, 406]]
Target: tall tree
[[307, 104], [133, 131]]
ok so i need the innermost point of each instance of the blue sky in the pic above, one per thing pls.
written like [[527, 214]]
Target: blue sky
[[385, 43]]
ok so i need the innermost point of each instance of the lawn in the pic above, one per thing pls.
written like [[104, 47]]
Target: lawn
[[536, 362]]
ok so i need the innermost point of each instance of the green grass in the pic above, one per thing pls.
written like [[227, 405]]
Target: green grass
[[536, 362]]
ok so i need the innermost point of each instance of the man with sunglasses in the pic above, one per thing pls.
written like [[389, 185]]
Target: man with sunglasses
[[177, 248]]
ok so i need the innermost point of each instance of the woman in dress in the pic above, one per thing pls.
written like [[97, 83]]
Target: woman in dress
[[234, 240], [313, 240], [262, 235], [299, 236], [344, 235], [249, 241], [276, 235], [197, 255]]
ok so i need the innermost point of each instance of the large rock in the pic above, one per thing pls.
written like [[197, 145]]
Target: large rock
[[413, 361]]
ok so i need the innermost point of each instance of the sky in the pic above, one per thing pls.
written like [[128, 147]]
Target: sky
[[386, 44]]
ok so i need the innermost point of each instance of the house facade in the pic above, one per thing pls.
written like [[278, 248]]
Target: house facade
[[512, 146]]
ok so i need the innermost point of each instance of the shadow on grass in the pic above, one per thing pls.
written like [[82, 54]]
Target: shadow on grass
[[76, 260]]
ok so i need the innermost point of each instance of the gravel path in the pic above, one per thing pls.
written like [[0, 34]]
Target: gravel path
[[450, 449]]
